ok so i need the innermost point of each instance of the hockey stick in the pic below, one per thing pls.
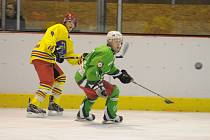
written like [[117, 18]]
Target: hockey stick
[[124, 50], [166, 100], [72, 57]]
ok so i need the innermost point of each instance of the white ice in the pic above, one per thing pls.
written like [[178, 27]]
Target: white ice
[[137, 125]]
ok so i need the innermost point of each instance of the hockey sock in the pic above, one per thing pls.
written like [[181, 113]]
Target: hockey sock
[[36, 102], [86, 107], [58, 86], [41, 94], [111, 104]]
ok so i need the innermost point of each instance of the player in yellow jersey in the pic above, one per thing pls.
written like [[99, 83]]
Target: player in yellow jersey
[[54, 46]]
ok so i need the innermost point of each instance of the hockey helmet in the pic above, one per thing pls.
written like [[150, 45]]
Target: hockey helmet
[[70, 17], [114, 36]]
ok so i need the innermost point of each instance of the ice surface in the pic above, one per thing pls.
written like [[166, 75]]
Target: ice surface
[[137, 125]]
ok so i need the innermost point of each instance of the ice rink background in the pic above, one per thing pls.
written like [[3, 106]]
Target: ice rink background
[[163, 64], [137, 125]]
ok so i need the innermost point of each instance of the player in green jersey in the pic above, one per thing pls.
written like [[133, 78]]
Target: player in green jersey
[[90, 78]]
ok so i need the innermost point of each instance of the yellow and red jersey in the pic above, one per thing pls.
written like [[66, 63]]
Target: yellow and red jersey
[[56, 34]]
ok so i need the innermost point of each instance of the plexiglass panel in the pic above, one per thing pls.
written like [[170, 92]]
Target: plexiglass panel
[[166, 19], [40, 14], [185, 17]]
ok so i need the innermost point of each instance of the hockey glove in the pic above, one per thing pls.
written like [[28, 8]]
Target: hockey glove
[[59, 53], [82, 58], [84, 55], [99, 89], [124, 77]]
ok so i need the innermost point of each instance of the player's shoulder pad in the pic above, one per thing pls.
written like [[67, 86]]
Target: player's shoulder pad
[[104, 49], [61, 27]]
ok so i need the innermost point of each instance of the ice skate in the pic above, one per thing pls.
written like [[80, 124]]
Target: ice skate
[[35, 112], [54, 109], [108, 120], [81, 117]]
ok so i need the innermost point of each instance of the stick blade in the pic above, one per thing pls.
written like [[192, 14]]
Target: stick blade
[[169, 101], [120, 56], [125, 48]]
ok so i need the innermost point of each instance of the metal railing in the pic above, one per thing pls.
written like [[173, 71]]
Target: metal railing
[[3, 21]]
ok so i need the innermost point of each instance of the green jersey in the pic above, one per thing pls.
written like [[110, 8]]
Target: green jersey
[[96, 64]]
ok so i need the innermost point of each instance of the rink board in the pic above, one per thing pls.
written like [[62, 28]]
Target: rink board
[[72, 101]]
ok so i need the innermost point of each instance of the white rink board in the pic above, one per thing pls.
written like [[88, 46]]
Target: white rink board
[[163, 64], [137, 125]]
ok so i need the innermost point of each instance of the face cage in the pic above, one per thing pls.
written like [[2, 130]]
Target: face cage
[[74, 21], [118, 40]]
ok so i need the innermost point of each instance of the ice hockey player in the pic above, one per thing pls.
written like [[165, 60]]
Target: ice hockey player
[[53, 47], [90, 78]]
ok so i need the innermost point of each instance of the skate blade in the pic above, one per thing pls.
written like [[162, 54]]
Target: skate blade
[[83, 120], [80, 120], [34, 115], [54, 113], [110, 122]]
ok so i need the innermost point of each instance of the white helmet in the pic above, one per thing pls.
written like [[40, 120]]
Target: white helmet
[[114, 36]]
